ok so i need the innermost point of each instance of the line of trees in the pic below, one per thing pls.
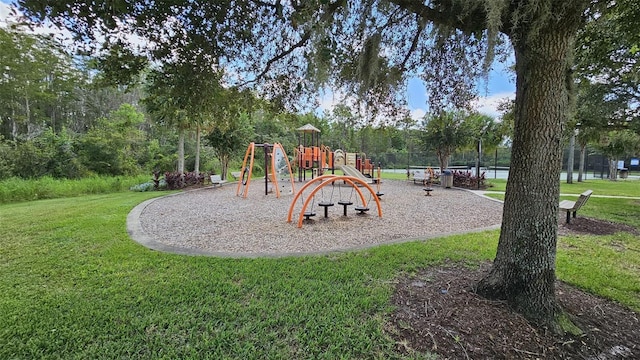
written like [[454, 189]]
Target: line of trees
[[71, 122]]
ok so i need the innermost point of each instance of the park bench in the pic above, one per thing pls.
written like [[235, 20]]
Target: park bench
[[573, 206], [421, 176], [217, 180]]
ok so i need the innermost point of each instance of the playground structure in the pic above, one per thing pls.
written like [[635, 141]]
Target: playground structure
[[311, 155], [320, 183], [276, 167]]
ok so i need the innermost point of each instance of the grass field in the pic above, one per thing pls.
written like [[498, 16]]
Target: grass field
[[74, 285], [629, 188]]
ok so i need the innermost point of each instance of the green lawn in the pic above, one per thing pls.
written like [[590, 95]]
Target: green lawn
[[612, 209], [74, 285], [600, 187]]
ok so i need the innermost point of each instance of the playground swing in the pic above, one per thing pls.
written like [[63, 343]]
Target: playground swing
[[245, 175], [308, 214], [345, 202], [324, 203], [320, 182], [362, 208]]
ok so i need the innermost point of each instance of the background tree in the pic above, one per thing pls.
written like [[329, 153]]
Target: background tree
[[230, 140], [116, 144], [445, 133], [37, 86], [183, 100], [233, 128], [618, 144], [608, 63], [608, 91], [484, 136], [345, 123]]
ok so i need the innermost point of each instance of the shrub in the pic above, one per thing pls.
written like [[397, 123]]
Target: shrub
[[466, 179], [176, 180], [148, 186]]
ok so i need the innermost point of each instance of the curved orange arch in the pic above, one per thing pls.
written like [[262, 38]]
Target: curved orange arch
[[349, 179], [250, 152], [304, 187], [324, 177]]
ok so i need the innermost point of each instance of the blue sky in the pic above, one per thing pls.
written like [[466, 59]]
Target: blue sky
[[500, 86]]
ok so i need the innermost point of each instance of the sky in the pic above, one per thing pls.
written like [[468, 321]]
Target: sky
[[500, 86]]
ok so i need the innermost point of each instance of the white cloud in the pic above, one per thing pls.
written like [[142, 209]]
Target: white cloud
[[328, 100], [488, 105], [418, 114], [61, 34], [4, 14], [10, 15]]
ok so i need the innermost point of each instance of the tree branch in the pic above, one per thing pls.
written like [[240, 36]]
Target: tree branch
[[414, 44], [451, 14], [331, 8], [305, 37]]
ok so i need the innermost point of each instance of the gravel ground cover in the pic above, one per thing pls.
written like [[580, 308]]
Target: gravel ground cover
[[215, 221]]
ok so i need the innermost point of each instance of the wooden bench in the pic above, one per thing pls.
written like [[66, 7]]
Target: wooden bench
[[217, 180], [573, 206]]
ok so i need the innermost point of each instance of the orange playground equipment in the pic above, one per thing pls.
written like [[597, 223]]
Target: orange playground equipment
[[276, 165], [316, 188], [364, 165], [314, 157], [310, 155]]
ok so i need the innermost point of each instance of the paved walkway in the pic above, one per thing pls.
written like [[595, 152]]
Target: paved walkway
[[484, 192]]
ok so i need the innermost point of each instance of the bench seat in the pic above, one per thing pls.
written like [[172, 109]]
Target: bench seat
[[217, 180], [573, 206]]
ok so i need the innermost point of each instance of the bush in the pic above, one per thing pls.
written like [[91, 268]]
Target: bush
[[176, 180], [15, 189], [6, 165], [466, 179], [148, 186]]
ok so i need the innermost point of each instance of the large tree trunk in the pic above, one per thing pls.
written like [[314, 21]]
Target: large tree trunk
[[523, 271]]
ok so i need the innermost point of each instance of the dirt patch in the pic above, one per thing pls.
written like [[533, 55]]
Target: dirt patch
[[584, 225], [437, 311]]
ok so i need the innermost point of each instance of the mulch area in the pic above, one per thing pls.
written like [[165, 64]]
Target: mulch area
[[437, 311]]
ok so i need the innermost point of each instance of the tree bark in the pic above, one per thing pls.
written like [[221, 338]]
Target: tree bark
[[197, 160], [523, 271], [613, 169], [224, 166], [181, 151], [443, 159], [583, 151], [570, 160]]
